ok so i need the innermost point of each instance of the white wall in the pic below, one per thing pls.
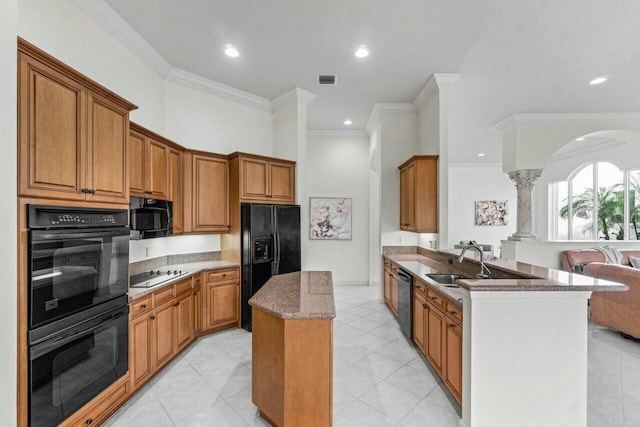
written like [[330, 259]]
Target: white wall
[[203, 121], [375, 170], [8, 219], [468, 183], [338, 166]]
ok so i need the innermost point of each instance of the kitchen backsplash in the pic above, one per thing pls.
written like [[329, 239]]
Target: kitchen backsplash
[[150, 264]]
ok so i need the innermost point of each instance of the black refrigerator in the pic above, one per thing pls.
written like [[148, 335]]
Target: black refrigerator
[[270, 246]]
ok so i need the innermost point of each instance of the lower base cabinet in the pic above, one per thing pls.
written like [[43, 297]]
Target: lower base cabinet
[[437, 331], [221, 294]]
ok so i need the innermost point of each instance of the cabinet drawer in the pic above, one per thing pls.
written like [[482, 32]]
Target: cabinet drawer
[[220, 275], [183, 286], [140, 306], [420, 288], [454, 311], [163, 295], [435, 299], [100, 408]]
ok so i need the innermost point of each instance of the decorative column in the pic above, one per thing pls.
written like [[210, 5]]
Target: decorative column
[[524, 179]]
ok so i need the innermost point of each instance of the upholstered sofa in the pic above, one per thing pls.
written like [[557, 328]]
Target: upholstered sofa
[[617, 310]]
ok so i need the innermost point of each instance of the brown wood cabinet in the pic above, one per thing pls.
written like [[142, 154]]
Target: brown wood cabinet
[[264, 179], [221, 295], [419, 194], [161, 326], [99, 409], [206, 196], [437, 331], [197, 305], [148, 165], [72, 133], [391, 286], [175, 188]]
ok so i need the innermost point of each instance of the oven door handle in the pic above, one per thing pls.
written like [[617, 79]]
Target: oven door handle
[[124, 231], [64, 338]]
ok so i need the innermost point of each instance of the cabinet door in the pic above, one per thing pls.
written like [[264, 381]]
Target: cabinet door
[[418, 320], [222, 304], [282, 182], [157, 175], [435, 327], [394, 293], [137, 166], [197, 310], [140, 351], [175, 188], [52, 134], [387, 286], [255, 179], [453, 365], [107, 169], [184, 320], [210, 210], [403, 198], [163, 334]]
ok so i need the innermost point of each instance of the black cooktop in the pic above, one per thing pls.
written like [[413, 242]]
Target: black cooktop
[[153, 278]]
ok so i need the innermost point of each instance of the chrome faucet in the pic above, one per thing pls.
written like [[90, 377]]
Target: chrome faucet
[[483, 267]]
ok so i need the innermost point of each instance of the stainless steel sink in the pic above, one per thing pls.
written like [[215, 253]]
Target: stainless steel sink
[[449, 280]]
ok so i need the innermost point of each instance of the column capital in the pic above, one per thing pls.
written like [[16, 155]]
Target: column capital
[[524, 178]]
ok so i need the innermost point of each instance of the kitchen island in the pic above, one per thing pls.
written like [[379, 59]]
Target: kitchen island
[[292, 349], [524, 339]]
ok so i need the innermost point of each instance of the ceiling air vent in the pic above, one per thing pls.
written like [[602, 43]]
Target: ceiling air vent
[[327, 79]]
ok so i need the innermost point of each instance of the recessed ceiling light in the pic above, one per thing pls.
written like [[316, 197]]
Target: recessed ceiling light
[[481, 154], [580, 139], [348, 122], [598, 80], [362, 52], [231, 51]]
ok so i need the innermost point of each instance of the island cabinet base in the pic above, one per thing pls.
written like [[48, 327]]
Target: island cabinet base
[[292, 370]]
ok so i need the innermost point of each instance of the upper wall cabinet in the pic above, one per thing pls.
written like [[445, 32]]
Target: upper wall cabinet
[[206, 195], [148, 164], [419, 194], [72, 137], [264, 179]]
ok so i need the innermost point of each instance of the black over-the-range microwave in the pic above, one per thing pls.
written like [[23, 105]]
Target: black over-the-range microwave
[[149, 218]]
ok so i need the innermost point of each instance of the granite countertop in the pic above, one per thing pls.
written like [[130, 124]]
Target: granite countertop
[[300, 295], [192, 267], [535, 278], [419, 266]]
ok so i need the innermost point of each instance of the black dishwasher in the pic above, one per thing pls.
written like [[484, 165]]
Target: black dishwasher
[[405, 305]]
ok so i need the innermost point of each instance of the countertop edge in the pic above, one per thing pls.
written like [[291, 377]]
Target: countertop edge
[[142, 292]]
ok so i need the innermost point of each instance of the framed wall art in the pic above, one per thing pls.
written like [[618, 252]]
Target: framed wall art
[[492, 212], [329, 218]]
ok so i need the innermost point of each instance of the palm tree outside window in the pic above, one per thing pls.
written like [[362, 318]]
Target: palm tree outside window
[[612, 212]]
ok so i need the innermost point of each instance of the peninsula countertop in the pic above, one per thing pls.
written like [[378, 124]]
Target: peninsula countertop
[[533, 278], [300, 295]]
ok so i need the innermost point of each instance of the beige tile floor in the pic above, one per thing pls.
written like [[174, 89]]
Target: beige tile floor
[[379, 379]]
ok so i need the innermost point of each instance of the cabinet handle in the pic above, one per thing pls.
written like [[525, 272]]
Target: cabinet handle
[[224, 275], [452, 325], [433, 298], [453, 312], [425, 306], [176, 304], [152, 317], [88, 421], [143, 305]]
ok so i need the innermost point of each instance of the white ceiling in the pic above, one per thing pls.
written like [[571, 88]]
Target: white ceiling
[[513, 55]]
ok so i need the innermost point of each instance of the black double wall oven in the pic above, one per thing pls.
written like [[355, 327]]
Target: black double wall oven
[[78, 269]]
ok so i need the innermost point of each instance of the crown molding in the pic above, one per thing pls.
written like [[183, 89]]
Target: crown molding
[[107, 18], [391, 108], [339, 133], [435, 83], [204, 84], [295, 95]]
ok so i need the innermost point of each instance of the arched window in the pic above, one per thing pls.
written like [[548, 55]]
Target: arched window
[[605, 202]]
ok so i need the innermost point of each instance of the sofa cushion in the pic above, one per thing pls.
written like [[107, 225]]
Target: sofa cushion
[[571, 258], [635, 261]]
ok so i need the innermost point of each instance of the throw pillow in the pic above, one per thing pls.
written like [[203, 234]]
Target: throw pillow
[[635, 261]]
